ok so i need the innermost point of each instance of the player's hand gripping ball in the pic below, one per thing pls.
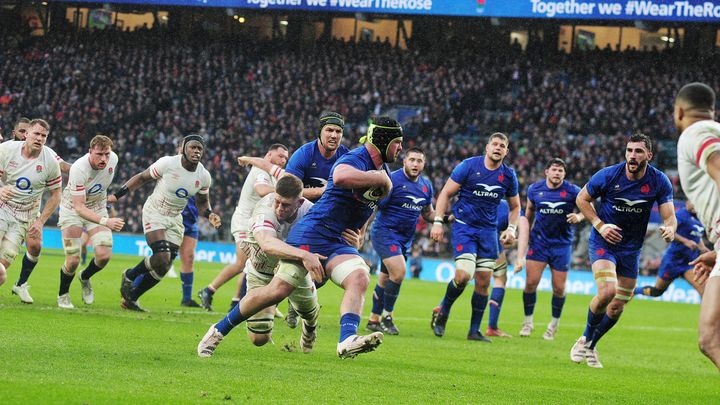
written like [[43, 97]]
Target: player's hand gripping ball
[[374, 194]]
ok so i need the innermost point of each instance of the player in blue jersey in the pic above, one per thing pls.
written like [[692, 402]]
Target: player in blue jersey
[[686, 247], [187, 252], [357, 181], [627, 192], [311, 163], [550, 213], [392, 235], [481, 182], [499, 275]]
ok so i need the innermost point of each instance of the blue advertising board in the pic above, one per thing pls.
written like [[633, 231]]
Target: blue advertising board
[[658, 10], [578, 282]]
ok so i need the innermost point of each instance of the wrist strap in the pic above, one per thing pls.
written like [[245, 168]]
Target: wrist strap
[[207, 213], [103, 221], [122, 192]]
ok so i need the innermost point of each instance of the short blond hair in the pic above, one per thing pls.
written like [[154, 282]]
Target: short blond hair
[[101, 141], [41, 122]]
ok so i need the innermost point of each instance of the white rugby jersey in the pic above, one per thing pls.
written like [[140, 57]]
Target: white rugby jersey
[[695, 145], [249, 198], [175, 185], [93, 184], [263, 220], [29, 177]]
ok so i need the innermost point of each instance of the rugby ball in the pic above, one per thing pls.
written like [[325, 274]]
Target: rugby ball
[[373, 194]]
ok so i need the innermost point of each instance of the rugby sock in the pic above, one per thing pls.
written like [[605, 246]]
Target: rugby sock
[[90, 270], [28, 264], [243, 288], [557, 306], [65, 281], [138, 280], [231, 320], [234, 302], [145, 284], [83, 256], [348, 325], [529, 300], [392, 290], [139, 269], [593, 320], [187, 284], [649, 291], [378, 300], [451, 294], [210, 290], [478, 303], [496, 299], [605, 325]]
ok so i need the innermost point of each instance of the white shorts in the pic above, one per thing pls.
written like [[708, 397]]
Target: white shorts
[[173, 226], [239, 227], [12, 235], [70, 217]]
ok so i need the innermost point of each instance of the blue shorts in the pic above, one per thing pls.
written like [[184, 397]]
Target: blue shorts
[[627, 263], [190, 222], [481, 242], [328, 247], [388, 245], [674, 265], [558, 258]]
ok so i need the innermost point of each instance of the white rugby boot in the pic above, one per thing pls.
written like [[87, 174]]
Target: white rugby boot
[[22, 292], [356, 344], [577, 353], [209, 342], [64, 301]]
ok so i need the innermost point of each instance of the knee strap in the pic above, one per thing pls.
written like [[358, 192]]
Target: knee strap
[[160, 246], [72, 246], [466, 263], [623, 294], [485, 265], [605, 276]]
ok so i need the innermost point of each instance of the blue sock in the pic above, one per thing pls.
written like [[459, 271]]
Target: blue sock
[[139, 269], [348, 325], [231, 320], [593, 320], [243, 287], [187, 284], [451, 294], [378, 300], [392, 290], [83, 257], [27, 267], [557, 306], [496, 299], [529, 300], [605, 325], [145, 284], [478, 303]]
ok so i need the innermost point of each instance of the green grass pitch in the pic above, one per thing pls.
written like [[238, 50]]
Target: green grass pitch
[[102, 354]]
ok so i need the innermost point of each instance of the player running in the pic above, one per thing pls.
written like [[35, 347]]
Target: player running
[[392, 235], [178, 178], [627, 192], [550, 213], [27, 169], [357, 181], [84, 206], [481, 183]]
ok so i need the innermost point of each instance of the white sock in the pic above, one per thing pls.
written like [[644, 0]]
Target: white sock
[[528, 319], [554, 322]]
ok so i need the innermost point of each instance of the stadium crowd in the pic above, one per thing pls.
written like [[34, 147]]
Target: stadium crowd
[[146, 90]]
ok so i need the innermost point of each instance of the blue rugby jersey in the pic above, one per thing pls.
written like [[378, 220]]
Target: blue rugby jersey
[[551, 209], [310, 166], [481, 190], [398, 214], [627, 203]]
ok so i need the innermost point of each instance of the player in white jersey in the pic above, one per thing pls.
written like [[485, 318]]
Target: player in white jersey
[[178, 178], [27, 169], [698, 152], [272, 219], [84, 206], [258, 184]]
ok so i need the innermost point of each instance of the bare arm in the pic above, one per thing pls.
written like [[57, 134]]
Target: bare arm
[[509, 235], [669, 226], [313, 193], [202, 201], [443, 201], [523, 242], [275, 247], [51, 205], [262, 164], [530, 213], [78, 202], [64, 166], [428, 213], [134, 183]]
